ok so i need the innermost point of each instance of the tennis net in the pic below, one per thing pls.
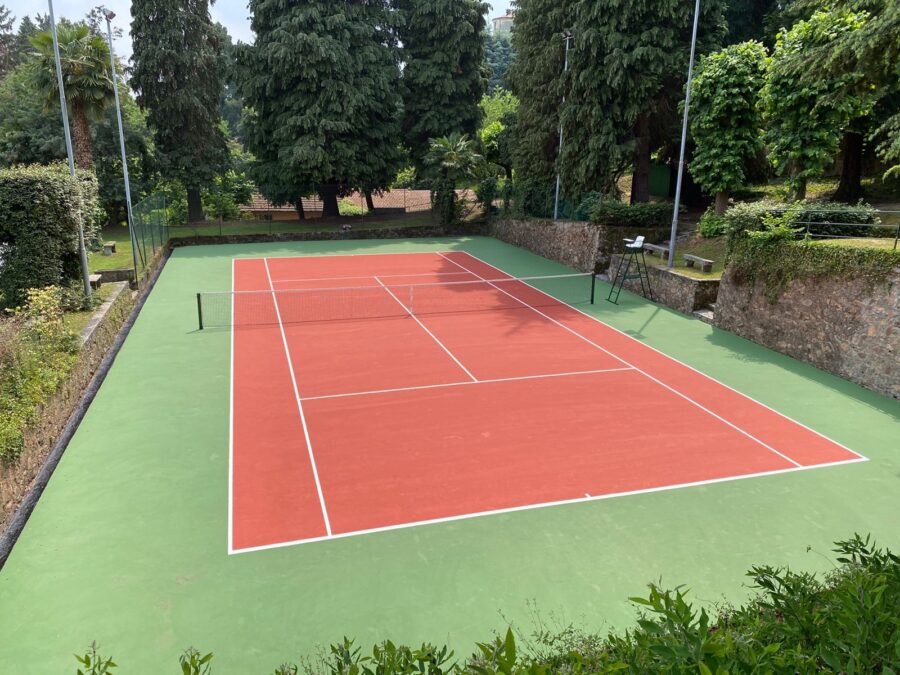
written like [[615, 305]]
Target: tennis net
[[384, 299]]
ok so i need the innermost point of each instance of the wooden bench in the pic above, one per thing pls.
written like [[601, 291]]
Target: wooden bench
[[705, 265], [95, 281], [109, 247], [653, 249]]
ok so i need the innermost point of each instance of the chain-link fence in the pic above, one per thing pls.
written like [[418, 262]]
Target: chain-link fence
[[150, 223]]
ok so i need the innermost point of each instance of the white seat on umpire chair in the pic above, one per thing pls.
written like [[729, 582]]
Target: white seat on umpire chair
[[635, 244]]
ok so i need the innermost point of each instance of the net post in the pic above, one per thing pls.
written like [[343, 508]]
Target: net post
[[593, 286], [200, 311]]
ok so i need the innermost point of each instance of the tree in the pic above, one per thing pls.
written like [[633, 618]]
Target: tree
[[84, 58], [450, 161], [627, 80], [178, 79], [500, 112], [499, 56], [725, 122], [443, 76], [536, 80], [7, 41], [806, 119], [322, 80], [746, 20]]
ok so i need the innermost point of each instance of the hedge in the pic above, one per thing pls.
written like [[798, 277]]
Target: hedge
[[750, 215], [41, 208], [618, 214], [842, 622]]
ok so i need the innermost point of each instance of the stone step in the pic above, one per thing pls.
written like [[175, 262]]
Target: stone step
[[707, 315]]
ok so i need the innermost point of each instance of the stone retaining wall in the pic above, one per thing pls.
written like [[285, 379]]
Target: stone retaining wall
[[678, 291], [571, 243], [16, 477], [844, 326]]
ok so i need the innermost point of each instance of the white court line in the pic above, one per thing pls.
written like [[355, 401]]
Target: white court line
[[385, 276], [231, 427], [290, 363], [530, 507], [467, 384], [642, 372], [682, 363], [343, 255], [425, 328]]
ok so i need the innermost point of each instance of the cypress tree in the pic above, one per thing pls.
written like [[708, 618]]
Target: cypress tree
[[537, 80], [179, 80], [444, 74], [628, 77], [322, 79]]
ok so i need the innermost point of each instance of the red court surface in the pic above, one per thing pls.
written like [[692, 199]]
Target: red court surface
[[389, 398]]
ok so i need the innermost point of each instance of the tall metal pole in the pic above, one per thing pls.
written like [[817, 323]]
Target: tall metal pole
[[115, 80], [684, 130], [85, 274], [567, 37]]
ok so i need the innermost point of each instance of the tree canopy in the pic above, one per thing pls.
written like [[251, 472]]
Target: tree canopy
[[178, 78], [323, 82], [444, 76], [499, 55]]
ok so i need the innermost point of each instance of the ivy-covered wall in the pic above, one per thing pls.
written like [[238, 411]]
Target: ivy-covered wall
[[846, 324]]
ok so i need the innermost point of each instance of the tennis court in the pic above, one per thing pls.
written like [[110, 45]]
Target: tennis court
[[376, 392]]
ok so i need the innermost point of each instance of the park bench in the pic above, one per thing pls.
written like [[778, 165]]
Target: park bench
[[654, 249], [95, 280], [109, 247], [705, 265]]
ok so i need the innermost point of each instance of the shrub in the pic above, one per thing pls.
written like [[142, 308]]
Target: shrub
[[589, 202], [41, 209], [711, 225], [814, 216], [346, 207], [37, 354], [619, 214], [531, 198], [843, 622], [487, 190]]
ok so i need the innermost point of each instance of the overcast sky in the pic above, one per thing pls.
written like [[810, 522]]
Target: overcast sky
[[233, 14]]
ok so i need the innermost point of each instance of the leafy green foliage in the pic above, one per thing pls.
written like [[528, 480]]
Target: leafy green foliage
[[725, 122], [91, 663], [712, 225], [819, 218], [806, 119], [348, 208], [84, 58], [37, 351], [617, 214], [499, 55], [178, 78], [194, 663], [444, 76], [451, 161], [841, 622], [626, 78], [41, 209], [7, 41], [322, 79]]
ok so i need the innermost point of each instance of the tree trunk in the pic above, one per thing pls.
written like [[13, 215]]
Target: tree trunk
[[850, 188], [797, 194], [640, 179], [301, 214], [195, 206], [329, 195], [721, 202], [81, 138], [369, 203]]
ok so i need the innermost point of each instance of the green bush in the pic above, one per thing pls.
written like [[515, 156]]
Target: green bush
[[618, 214], [711, 225], [532, 199], [842, 622], [41, 209], [37, 352], [586, 207], [750, 216], [487, 191], [346, 207]]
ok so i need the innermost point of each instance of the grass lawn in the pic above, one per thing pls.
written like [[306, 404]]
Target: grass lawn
[[121, 259], [886, 244], [710, 249], [241, 227], [875, 190]]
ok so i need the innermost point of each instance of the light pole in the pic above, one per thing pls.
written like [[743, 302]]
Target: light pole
[[684, 130], [567, 38], [109, 16], [82, 252]]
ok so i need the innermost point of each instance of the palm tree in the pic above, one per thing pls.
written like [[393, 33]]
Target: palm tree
[[451, 160], [84, 57]]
